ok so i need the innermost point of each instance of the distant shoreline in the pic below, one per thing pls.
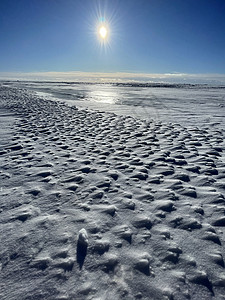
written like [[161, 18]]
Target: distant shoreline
[[125, 84]]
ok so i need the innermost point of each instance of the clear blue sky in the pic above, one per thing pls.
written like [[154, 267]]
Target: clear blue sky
[[152, 36]]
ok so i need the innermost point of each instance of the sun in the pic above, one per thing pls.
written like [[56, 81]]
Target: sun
[[103, 32]]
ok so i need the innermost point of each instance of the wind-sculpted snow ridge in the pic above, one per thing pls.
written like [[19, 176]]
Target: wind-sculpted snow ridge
[[164, 85], [169, 85], [99, 206]]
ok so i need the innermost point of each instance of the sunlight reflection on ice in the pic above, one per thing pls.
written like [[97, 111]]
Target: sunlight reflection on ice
[[103, 94]]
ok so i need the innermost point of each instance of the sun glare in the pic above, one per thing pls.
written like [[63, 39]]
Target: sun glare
[[103, 30]]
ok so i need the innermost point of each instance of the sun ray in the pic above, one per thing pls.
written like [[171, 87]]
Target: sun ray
[[105, 29]]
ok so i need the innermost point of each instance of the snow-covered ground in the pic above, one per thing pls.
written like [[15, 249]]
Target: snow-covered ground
[[122, 202]]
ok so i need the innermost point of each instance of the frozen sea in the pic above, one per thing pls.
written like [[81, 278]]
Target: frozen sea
[[188, 105]]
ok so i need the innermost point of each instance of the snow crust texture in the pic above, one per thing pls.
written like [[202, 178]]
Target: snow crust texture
[[100, 206]]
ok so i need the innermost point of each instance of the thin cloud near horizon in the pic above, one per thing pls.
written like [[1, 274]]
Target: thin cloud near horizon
[[114, 77]]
